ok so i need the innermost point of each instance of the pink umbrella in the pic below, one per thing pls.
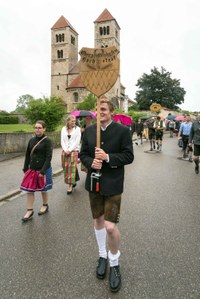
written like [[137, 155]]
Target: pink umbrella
[[84, 113], [124, 119], [180, 117]]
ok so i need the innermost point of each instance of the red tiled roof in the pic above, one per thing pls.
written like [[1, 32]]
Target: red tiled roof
[[63, 23], [75, 69], [104, 16], [76, 83]]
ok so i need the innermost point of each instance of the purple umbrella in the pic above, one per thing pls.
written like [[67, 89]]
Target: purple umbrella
[[84, 113]]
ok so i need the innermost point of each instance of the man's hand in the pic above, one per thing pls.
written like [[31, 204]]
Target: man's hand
[[100, 154], [97, 164]]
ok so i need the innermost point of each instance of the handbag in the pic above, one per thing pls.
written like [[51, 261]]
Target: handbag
[[32, 181]]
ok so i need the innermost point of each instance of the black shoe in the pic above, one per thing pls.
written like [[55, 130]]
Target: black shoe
[[197, 168], [26, 219], [151, 149], [101, 268], [74, 185], [45, 211], [69, 192], [115, 279]]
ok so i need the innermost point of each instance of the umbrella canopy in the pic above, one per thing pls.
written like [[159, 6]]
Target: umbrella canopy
[[84, 113], [124, 119], [144, 117], [171, 117], [180, 117]]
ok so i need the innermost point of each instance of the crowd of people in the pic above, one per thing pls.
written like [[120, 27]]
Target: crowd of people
[[105, 167]]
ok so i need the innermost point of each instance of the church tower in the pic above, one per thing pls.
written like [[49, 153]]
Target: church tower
[[64, 55], [107, 31], [107, 34]]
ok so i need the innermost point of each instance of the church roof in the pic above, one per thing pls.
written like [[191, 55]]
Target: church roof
[[63, 23], [105, 16], [76, 83], [75, 69]]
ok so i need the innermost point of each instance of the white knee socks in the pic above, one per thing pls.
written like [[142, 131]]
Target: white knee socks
[[113, 258], [101, 241]]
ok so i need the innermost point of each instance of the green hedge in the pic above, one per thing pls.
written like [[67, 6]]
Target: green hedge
[[6, 119]]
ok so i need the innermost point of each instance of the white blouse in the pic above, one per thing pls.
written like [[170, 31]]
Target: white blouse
[[72, 143]]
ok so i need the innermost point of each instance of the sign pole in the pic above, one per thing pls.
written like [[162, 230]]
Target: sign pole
[[99, 70]]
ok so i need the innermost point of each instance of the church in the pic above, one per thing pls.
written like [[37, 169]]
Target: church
[[65, 74]]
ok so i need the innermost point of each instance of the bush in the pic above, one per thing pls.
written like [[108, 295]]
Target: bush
[[7, 119], [51, 111]]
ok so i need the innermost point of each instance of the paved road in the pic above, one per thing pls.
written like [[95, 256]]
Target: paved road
[[54, 256]]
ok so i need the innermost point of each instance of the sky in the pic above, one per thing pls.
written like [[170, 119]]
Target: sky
[[154, 33]]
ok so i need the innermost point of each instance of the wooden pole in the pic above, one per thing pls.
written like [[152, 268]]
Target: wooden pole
[[98, 140]]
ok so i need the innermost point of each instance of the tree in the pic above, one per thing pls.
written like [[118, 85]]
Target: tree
[[22, 103], [160, 88], [88, 103], [51, 111]]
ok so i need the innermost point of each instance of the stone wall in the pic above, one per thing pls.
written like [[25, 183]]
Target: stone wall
[[17, 142]]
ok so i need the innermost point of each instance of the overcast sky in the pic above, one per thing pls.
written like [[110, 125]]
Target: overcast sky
[[153, 33]]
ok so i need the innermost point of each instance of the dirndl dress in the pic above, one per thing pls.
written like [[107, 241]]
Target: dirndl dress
[[48, 184], [69, 163]]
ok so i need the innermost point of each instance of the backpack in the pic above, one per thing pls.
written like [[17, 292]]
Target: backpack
[[171, 124]]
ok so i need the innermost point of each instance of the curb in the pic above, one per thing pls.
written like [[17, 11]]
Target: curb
[[18, 191]]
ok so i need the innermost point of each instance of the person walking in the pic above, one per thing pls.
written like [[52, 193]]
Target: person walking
[[146, 130], [172, 126], [115, 152], [139, 127], [159, 126], [184, 133], [38, 158], [151, 133], [194, 138], [70, 143]]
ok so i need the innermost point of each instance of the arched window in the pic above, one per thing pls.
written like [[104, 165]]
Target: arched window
[[63, 37], [60, 53], [75, 95], [56, 37], [57, 87], [72, 40], [101, 31], [108, 30], [104, 30]]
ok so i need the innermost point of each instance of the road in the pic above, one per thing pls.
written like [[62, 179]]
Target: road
[[54, 256]]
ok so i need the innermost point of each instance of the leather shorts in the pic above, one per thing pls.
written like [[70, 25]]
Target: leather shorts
[[109, 206]]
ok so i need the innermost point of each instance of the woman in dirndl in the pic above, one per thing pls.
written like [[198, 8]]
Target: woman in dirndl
[[70, 143], [38, 158]]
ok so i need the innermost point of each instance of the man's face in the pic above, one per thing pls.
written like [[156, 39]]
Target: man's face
[[105, 114], [188, 118]]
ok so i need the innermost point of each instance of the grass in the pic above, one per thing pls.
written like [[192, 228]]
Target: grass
[[19, 128]]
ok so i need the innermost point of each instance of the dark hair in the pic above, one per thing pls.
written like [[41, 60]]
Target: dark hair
[[42, 123]]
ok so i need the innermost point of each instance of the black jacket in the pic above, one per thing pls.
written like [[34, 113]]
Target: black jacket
[[117, 143], [41, 157], [195, 133]]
